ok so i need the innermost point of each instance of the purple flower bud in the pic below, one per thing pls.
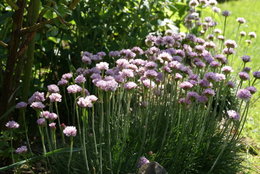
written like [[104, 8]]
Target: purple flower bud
[[86, 59], [230, 44], [244, 76], [214, 64], [164, 57], [227, 69], [114, 53], [137, 50], [256, 74], [127, 53], [184, 101], [205, 83], [200, 64], [21, 105], [216, 9], [251, 89], [37, 97], [62, 82], [150, 73], [241, 20], [244, 94], [101, 54], [233, 114], [226, 13], [231, 84], [80, 79], [186, 85], [246, 58], [12, 125], [20, 150], [192, 95], [247, 69], [41, 121], [209, 92], [142, 160], [228, 51]]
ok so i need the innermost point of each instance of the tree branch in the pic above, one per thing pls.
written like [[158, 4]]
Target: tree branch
[[3, 44], [40, 25], [12, 4], [37, 26], [73, 4]]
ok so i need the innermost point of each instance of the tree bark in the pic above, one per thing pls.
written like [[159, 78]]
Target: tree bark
[[13, 46]]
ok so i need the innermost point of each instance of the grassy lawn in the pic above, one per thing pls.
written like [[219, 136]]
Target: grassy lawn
[[249, 9]]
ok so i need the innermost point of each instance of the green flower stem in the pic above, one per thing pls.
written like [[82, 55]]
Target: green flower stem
[[66, 103], [41, 134], [43, 140], [94, 133], [57, 111], [108, 101], [26, 131], [53, 135], [48, 138], [101, 130], [85, 123], [12, 151], [71, 150]]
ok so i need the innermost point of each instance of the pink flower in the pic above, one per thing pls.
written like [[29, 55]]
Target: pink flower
[[53, 88], [233, 114], [74, 89], [70, 131], [84, 102], [130, 85], [52, 125], [55, 97], [22, 149], [92, 98], [67, 76], [52, 116], [12, 124], [102, 66], [80, 79], [41, 121], [45, 114], [37, 97], [62, 82], [186, 85], [37, 105]]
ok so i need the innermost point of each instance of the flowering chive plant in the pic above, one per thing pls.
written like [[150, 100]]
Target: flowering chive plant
[[178, 97]]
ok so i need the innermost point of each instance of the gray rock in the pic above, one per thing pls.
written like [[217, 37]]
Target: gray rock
[[152, 168]]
